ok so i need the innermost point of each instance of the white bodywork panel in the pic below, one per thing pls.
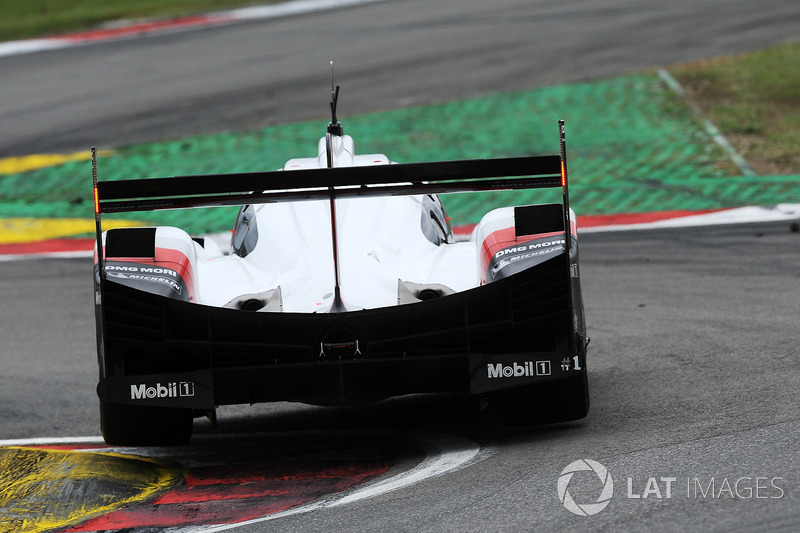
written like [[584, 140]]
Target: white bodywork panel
[[380, 242]]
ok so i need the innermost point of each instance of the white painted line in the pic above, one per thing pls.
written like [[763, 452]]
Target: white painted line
[[736, 215], [296, 7], [743, 166], [11, 48], [445, 453], [44, 441]]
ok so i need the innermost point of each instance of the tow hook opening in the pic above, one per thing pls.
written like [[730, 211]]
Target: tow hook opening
[[339, 342]]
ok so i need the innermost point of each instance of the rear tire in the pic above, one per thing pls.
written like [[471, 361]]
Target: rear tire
[[134, 425], [552, 401]]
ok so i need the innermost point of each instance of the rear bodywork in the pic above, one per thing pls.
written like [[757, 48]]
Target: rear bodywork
[[341, 284]]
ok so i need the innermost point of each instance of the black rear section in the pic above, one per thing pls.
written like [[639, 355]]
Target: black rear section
[[231, 356]]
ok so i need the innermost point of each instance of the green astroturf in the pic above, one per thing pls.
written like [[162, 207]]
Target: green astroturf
[[633, 146]]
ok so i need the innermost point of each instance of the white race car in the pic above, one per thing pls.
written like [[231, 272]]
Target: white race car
[[343, 282]]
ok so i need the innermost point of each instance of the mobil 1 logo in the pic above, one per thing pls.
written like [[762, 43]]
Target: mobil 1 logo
[[173, 389]]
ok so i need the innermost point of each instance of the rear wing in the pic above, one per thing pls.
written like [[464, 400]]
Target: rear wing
[[442, 177], [322, 183]]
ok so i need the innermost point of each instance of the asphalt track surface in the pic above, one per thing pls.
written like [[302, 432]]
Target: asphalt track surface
[[693, 374], [388, 54], [693, 361]]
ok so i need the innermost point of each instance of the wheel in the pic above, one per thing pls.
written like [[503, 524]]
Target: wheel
[[553, 401], [133, 425]]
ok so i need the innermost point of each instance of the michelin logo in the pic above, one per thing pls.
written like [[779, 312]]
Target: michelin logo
[[170, 390], [153, 279]]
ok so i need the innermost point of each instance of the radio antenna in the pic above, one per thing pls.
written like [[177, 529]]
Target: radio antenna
[[335, 127]]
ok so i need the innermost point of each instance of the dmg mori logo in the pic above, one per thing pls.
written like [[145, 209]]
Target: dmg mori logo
[[605, 487]]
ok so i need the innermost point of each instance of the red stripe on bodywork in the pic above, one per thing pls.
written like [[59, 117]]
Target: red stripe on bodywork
[[503, 238], [165, 258]]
